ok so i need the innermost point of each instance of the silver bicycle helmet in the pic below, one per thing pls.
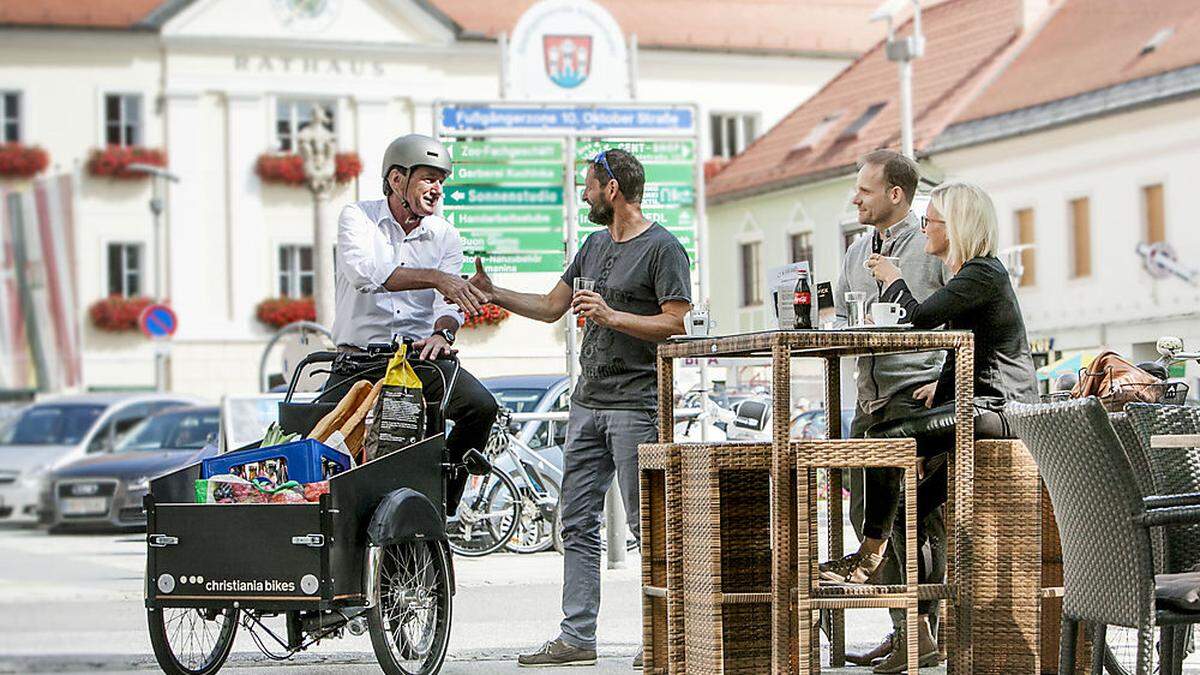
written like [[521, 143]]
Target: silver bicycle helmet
[[416, 150]]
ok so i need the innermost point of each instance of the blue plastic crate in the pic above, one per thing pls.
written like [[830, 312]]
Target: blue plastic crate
[[306, 461]]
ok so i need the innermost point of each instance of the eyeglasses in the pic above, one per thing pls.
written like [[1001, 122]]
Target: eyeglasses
[[926, 221], [601, 160]]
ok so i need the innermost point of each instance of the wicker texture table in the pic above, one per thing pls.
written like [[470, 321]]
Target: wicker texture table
[[781, 347]]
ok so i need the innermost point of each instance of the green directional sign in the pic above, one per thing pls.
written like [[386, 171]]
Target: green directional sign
[[498, 195], [669, 195], [507, 174], [525, 261], [683, 150], [506, 151], [503, 217], [670, 217], [492, 240], [678, 173]]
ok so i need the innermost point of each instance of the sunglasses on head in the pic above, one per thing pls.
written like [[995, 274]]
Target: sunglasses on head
[[601, 160]]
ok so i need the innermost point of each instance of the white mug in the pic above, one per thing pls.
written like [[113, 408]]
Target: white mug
[[887, 313]]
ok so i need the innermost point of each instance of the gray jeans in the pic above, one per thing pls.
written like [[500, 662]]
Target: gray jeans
[[599, 442]]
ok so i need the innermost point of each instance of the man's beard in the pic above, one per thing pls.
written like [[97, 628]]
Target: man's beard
[[600, 213]]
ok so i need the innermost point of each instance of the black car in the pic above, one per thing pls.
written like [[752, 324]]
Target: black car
[[106, 491]]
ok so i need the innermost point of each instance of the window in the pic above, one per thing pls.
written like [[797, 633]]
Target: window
[[751, 273], [1025, 235], [123, 119], [295, 271], [802, 247], [10, 116], [849, 234], [1156, 217], [1081, 238], [815, 135], [291, 115], [862, 121], [732, 132], [125, 269]]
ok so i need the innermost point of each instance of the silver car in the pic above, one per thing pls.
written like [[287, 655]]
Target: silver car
[[56, 431]]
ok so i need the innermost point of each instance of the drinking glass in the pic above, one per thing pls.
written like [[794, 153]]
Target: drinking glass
[[584, 284], [856, 308]]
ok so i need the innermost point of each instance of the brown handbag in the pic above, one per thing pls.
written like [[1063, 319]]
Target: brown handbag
[[1116, 382]]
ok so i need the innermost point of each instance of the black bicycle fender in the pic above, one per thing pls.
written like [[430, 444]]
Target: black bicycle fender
[[405, 515]]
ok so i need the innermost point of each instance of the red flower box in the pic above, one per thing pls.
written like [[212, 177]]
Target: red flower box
[[491, 315], [112, 161], [279, 312], [22, 161], [118, 314], [288, 169]]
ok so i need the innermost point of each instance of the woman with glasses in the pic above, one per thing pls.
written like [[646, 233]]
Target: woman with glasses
[[960, 228]]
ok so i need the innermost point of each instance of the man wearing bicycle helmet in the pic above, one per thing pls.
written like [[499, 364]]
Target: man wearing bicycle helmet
[[398, 276]]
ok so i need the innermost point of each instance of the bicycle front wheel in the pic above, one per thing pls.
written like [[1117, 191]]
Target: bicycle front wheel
[[488, 515], [410, 625], [535, 529], [191, 641]]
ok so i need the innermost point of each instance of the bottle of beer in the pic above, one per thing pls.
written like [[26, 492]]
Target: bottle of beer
[[802, 303]]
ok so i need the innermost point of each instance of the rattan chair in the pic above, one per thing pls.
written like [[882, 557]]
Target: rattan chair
[[1171, 471], [1105, 522]]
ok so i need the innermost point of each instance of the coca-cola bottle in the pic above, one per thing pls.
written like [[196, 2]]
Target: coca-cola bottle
[[802, 303]]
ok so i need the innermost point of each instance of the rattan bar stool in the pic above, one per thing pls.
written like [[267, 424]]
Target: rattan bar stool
[[661, 497], [812, 596], [727, 557]]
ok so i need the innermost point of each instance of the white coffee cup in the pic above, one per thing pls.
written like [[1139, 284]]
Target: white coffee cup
[[887, 313]]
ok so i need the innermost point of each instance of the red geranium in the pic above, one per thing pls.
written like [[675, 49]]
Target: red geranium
[[288, 169], [111, 161], [22, 161], [117, 314], [279, 312], [490, 315]]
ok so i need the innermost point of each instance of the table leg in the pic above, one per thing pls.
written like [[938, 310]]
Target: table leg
[[666, 400], [959, 556], [833, 429], [783, 513]]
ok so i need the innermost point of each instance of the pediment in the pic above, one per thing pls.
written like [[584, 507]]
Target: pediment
[[359, 22]]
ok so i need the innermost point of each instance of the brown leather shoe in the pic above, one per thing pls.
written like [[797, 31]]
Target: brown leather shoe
[[868, 658], [855, 568], [897, 660]]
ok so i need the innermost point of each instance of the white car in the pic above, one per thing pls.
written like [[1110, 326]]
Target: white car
[[57, 431]]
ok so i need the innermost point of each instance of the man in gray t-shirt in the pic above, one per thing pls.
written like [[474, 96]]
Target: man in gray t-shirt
[[642, 291]]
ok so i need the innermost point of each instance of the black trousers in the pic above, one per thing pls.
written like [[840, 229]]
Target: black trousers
[[934, 432], [471, 406]]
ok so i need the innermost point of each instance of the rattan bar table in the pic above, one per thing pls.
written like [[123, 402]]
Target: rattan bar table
[[830, 346]]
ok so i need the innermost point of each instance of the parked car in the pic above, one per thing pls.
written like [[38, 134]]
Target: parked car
[[534, 393], [57, 431], [106, 490]]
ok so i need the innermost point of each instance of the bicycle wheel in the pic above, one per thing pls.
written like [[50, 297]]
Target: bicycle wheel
[[535, 531], [410, 625], [1120, 651], [191, 641], [480, 530]]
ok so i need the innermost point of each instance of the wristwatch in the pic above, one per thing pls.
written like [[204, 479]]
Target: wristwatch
[[447, 335]]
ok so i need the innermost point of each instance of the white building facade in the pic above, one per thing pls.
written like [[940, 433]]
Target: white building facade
[[216, 84]]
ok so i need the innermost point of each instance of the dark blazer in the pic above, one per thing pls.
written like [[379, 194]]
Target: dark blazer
[[980, 298]]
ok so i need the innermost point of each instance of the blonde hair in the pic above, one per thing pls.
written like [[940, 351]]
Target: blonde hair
[[970, 220]]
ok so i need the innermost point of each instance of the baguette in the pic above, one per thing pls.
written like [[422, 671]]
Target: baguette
[[360, 413], [344, 409]]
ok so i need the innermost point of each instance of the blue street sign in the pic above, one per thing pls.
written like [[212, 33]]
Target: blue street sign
[[566, 118], [158, 321]]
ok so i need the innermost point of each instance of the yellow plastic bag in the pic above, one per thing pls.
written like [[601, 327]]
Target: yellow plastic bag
[[399, 419]]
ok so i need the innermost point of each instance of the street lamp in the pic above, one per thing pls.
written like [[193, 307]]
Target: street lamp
[[903, 51], [158, 179], [318, 149]]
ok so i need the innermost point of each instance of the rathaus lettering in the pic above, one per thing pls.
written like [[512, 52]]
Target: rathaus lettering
[[305, 65]]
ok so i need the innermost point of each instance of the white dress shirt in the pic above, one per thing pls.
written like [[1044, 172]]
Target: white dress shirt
[[370, 246]]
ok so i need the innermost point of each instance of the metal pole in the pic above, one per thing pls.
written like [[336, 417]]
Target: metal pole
[[701, 266], [572, 247], [614, 522], [323, 258], [906, 113], [161, 349], [503, 43], [633, 66]]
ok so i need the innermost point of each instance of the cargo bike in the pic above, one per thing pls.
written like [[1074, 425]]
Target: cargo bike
[[369, 557]]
